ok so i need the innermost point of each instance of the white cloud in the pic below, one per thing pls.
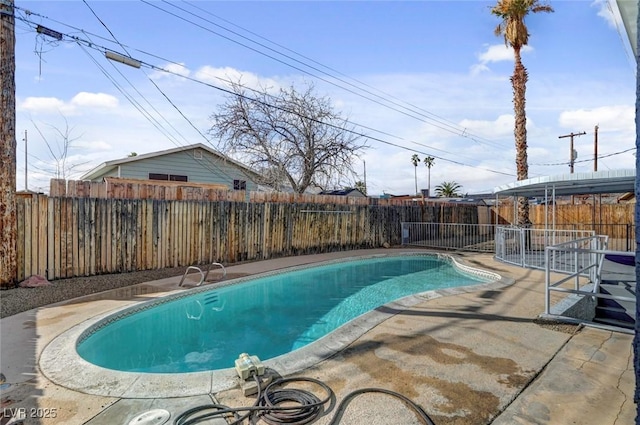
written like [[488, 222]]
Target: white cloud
[[605, 12], [81, 101], [94, 100], [226, 75], [93, 145], [616, 117], [495, 53], [500, 127], [42, 104]]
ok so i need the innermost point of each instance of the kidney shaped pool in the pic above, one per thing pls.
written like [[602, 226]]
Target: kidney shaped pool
[[206, 328]]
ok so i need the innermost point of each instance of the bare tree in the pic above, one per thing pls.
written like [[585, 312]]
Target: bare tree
[[59, 150], [296, 135]]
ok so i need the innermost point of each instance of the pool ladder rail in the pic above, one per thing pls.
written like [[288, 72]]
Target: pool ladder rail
[[203, 273]]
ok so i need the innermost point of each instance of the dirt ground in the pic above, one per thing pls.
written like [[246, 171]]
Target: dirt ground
[[17, 300]]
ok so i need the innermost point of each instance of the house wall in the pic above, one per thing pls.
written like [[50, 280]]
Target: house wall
[[207, 169]]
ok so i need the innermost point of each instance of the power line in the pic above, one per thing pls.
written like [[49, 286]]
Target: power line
[[453, 125], [463, 134], [94, 46], [438, 123], [213, 167], [587, 160]]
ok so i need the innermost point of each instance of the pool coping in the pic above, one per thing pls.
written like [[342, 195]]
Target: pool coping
[[60, 362]]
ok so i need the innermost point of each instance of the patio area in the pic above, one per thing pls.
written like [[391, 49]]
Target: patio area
[[473, 356]]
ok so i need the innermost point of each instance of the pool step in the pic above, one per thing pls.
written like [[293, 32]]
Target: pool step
[[617, 312]]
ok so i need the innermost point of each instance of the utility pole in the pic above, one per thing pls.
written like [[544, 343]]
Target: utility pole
[[595, 149], [26, 185], [364, 164], [572, 156], [8, 220]]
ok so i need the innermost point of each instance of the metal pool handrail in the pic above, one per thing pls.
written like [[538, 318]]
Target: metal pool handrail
[[595, 253], [203, 275]]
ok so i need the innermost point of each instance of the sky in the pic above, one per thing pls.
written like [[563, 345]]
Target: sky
[[415, 77]]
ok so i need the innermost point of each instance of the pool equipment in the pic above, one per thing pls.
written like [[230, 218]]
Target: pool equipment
[[279, 404], [247, 366]]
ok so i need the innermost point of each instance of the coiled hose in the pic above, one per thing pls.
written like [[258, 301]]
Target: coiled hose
[[307, 409]]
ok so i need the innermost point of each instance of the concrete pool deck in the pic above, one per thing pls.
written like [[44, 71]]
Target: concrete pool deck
[[474, 357]]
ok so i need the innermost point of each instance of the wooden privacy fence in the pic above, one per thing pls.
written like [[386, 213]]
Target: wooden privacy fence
[[60, 237], [581, 214], [119, 188], [613, 220]]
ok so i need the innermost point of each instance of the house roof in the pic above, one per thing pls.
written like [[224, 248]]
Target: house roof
[[342, 192], [628, 11], [613, 181], [106, 167]]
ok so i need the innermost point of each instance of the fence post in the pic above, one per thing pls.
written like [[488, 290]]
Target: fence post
[[523, 248], [576, 267], [627, 238], [547, 281]]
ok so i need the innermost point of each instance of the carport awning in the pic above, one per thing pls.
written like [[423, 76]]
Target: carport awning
[[611, 181]]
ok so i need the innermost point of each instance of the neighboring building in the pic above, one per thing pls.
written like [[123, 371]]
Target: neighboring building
[[344, 192], [194, 163]]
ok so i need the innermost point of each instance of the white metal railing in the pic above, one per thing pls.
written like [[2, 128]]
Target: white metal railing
[[467, 237], [525, 247], [579, 262]]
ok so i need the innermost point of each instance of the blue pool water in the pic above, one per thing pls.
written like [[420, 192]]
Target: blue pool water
[[267, 317]]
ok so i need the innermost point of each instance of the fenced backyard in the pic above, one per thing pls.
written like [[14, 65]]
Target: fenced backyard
[[60, 237], [78, 235]]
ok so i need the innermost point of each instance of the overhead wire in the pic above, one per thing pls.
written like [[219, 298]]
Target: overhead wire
[[586, 160], [438, 123], [94, 46], [437, 117], [226, 81], [210, 165], [158, 125]]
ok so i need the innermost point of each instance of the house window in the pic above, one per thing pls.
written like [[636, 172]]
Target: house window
[[155, 176], [170, 177], [239, 185]]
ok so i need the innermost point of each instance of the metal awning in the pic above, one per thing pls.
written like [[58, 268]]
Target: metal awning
[[611, 181]]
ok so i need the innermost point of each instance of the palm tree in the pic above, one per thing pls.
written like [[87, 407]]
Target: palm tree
[[415, 160], [448, 190], [516, 35], [361, 186], [429, 161]]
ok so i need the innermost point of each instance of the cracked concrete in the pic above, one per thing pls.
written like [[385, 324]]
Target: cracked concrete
[[589, 381], [468, 358]]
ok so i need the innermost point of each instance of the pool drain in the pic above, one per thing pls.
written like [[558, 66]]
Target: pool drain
[[151, 417]]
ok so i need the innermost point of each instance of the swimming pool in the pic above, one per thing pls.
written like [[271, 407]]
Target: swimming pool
[[206, 329]]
